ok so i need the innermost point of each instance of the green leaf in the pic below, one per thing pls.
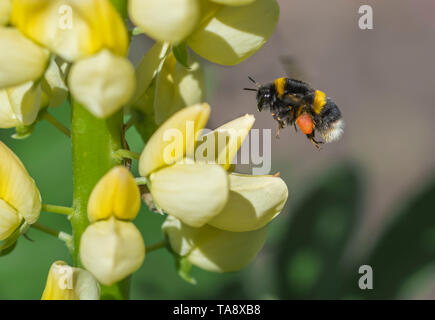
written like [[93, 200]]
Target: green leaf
[[184, 267], [181, 53], [403, 252], [320, 226]]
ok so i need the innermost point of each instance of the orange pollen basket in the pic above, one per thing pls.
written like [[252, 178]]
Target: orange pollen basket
[[305, 123]]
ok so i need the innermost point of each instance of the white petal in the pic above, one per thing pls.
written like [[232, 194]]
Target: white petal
[[233, 34], [214, 249], [54, 84], [20, 59], [253, 202], [102, 83], [25, 102], [111, 250], [165, 20], [194, 193]]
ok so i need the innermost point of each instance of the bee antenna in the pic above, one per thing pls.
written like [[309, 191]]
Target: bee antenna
[[255, 82], [249, 89]]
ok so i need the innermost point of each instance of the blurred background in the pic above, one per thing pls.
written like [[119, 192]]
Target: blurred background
[[368, 199]]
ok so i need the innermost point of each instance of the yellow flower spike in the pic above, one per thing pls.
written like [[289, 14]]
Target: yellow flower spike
[[233, 2], [68, 283], [165, 20], [111, 250], [253, 202], [20, 59], [73, 29], [229, 137], [116, 194], [232, 34], [194, 193], [5, 11], [54, 83], [149, 66], [19, 105], [17, 191], [103, 83], [213, 249], [178, 87], [177, 134]]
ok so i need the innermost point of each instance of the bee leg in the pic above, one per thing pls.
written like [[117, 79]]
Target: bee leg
[[314, 141], [280, 126], [294, 125]]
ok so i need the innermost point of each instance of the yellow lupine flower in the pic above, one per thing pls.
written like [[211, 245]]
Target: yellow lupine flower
[[53, 83], [194, 193], [213, 249], [5, 11], [72, 29], [68, 283], [19, 105], [165, 20], [111, 250], [21, 60], [19, 196], [103, 83], [229, 137], [153, 156], [178, 87], [116, 194], [228, 35], [253, 202]]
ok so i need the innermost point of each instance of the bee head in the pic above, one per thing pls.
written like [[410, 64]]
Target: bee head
[[265, 97]]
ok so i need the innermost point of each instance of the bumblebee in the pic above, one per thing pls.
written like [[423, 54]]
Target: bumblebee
[[294, 102]]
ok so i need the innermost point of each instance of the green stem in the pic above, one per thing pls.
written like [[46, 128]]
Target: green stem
[[126, 154], [52, 120], [57, 209], [48, 230], [156, 246], [93, 143], [141, 181]]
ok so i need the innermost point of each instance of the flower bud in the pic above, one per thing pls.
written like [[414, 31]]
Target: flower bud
[[21, 60], [253, 202], [5, 11], [232, 34], [102, 83], [194, 193], [68, 283], [165, 20], [213, 249], [73, 29], [116, 194], [111, 250], [54, 85], [19, 196], [177, 134], [19, 106]]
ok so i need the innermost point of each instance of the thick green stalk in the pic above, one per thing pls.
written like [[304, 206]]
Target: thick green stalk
[[93, 143]]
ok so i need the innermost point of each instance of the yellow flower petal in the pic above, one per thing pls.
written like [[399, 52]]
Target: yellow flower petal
[[68, 283], [226, 141], [17, 188], [176, 134], [149, 66], [165, 20], [102, 83], [213, 249], [194, 193], [20, 59], [9, 220], [253, 202], [5, 11], [233, 2], [111, 250], [72, 29], [116, 194], [233, 34], [54, 83], [178, 87], [19, 105]]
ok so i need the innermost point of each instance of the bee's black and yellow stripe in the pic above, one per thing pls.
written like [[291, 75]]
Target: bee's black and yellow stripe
[[319, 101]]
